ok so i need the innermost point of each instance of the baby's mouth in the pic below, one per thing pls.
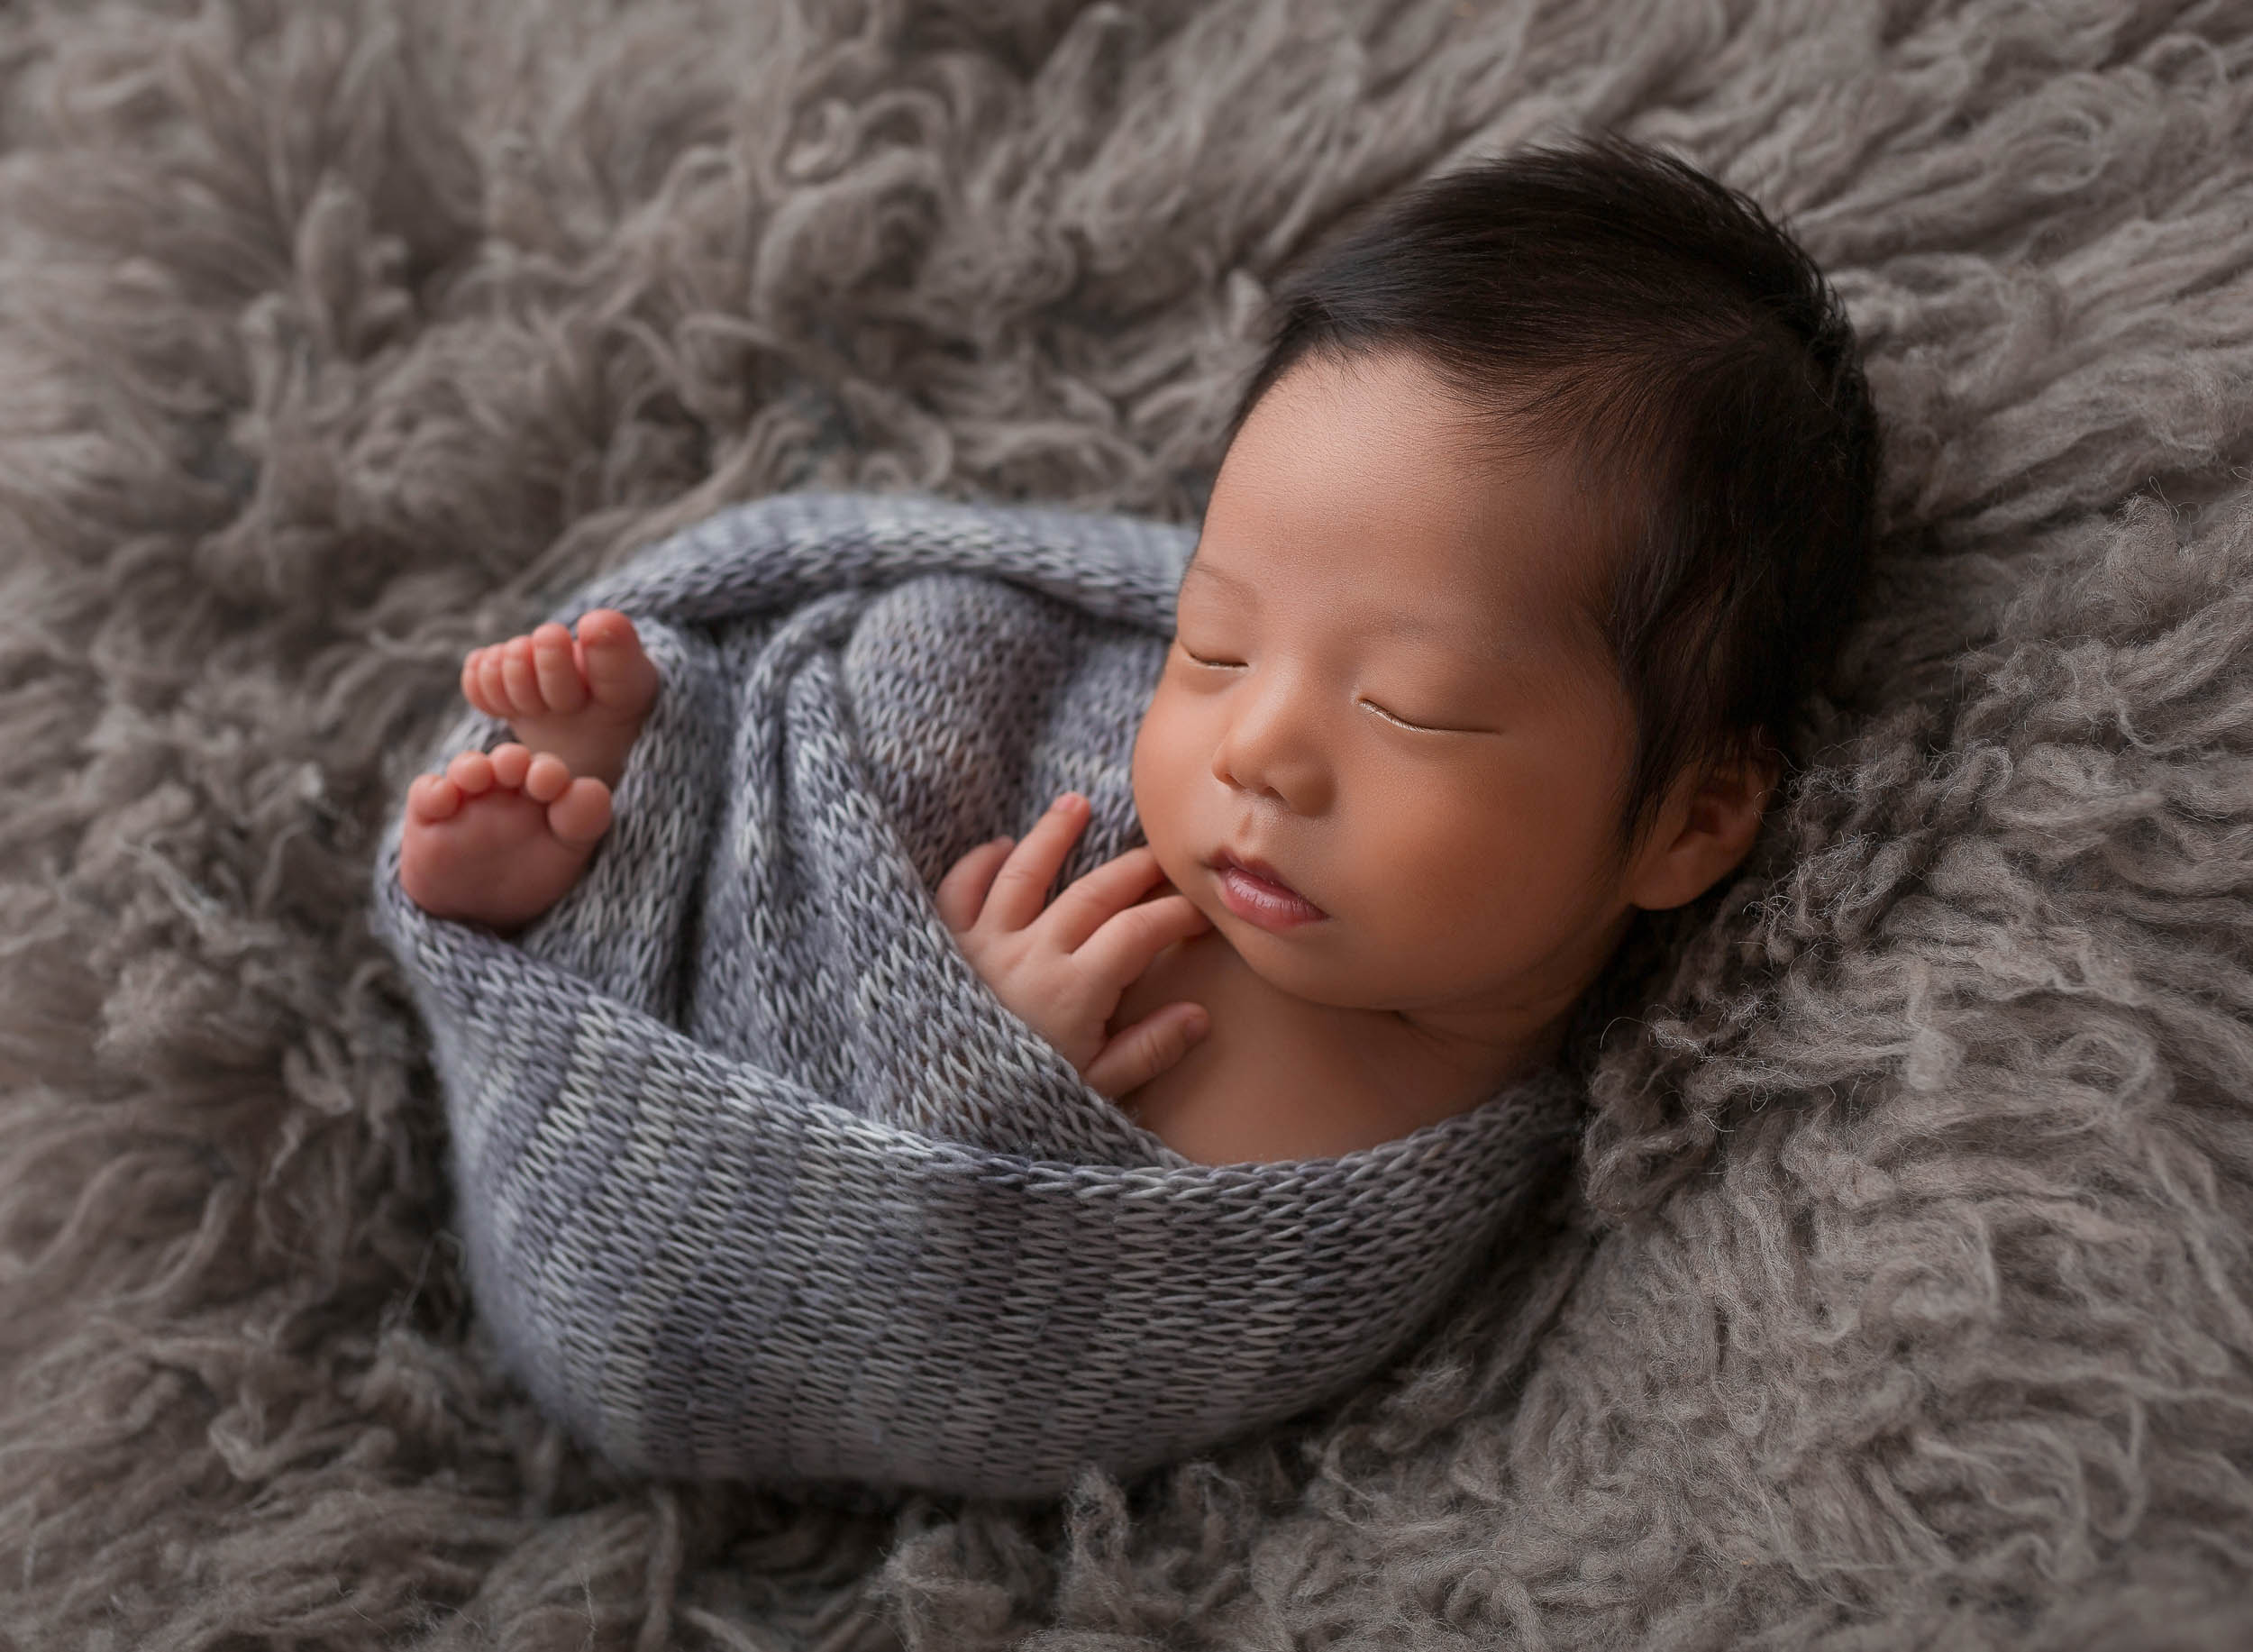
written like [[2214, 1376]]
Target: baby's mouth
[[1254, 891]]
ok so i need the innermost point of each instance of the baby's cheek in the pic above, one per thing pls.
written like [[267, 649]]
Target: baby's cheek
[[1137, 773], [1480, 860], [1161, 776], [1156, 759], [1150, 809]]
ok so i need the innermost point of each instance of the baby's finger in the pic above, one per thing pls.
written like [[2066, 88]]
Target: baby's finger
[[1138, 1054], [1117, 954], [1021, 888], [1083, 908], [962, 893]]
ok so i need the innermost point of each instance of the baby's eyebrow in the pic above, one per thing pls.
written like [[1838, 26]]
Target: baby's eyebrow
[[1482, 647], [1210, 573]]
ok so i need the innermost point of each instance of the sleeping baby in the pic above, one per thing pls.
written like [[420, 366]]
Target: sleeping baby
[[1548, 502]]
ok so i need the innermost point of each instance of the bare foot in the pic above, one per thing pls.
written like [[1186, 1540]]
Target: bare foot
[[582, 699], [499, 836]]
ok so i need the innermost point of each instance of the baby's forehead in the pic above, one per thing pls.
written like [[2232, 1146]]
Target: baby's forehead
[[1439, 609], [1370, 486]]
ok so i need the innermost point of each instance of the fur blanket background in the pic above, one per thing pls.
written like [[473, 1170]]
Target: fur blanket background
[[1905, 1297]]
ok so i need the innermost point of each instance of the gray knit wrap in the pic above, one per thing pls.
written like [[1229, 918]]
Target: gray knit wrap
[[758, 1179]]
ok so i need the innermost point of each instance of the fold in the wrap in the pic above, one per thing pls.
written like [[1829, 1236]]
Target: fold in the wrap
[[758, 1179]]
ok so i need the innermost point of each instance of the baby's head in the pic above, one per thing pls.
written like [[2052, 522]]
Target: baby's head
[[1549, 502]]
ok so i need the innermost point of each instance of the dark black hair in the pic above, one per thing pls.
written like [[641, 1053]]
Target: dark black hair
[[1610, 300]]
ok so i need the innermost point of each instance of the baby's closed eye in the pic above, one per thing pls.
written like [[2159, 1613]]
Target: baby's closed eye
[[1410, 723], [1197, 658], [1413, 723]]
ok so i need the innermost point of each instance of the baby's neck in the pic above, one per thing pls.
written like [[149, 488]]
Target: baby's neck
[[1509, 1032], [1484, 1053]]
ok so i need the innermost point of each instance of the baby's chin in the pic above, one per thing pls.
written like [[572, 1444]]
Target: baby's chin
[[1308, 962], [1302, 963]]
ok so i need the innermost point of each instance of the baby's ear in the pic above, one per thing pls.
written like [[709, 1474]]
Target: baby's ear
[[1704, 829]]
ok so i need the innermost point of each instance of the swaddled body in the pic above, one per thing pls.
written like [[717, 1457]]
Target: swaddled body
[[758, 1178], [1485, 645]]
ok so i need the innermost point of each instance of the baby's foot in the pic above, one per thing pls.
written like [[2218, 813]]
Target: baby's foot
[[499, 836], [584, 699]]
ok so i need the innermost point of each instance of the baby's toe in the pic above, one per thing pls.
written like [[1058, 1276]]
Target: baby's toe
[[492, 687], [620, 673], [481, 681], [555, 668], [546, 778], [582, 813], [521, 674], [433, 797], [511, 762], [472, 772], [606, 628]]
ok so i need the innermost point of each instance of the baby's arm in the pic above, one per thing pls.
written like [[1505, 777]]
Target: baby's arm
[[1061, 972]]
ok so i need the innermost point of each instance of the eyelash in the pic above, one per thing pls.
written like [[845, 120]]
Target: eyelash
[[1421, 728]]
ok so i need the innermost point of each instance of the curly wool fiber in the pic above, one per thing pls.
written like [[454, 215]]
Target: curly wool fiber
[[1905, 1297]]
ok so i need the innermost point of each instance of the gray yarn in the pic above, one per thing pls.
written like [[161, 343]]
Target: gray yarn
[[759, 1179]]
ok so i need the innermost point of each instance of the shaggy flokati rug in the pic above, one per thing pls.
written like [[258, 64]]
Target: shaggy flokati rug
[[1904, 1293]]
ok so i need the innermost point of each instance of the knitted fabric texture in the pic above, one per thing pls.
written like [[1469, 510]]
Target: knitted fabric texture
[[758, 1178]]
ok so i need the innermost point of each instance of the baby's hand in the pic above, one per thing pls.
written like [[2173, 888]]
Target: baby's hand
[[1061, 972]]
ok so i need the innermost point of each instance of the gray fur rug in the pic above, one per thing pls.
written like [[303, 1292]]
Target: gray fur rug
[[1905, 1297]]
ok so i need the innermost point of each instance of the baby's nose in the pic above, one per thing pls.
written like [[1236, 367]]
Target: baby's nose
[[1272, 750]]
